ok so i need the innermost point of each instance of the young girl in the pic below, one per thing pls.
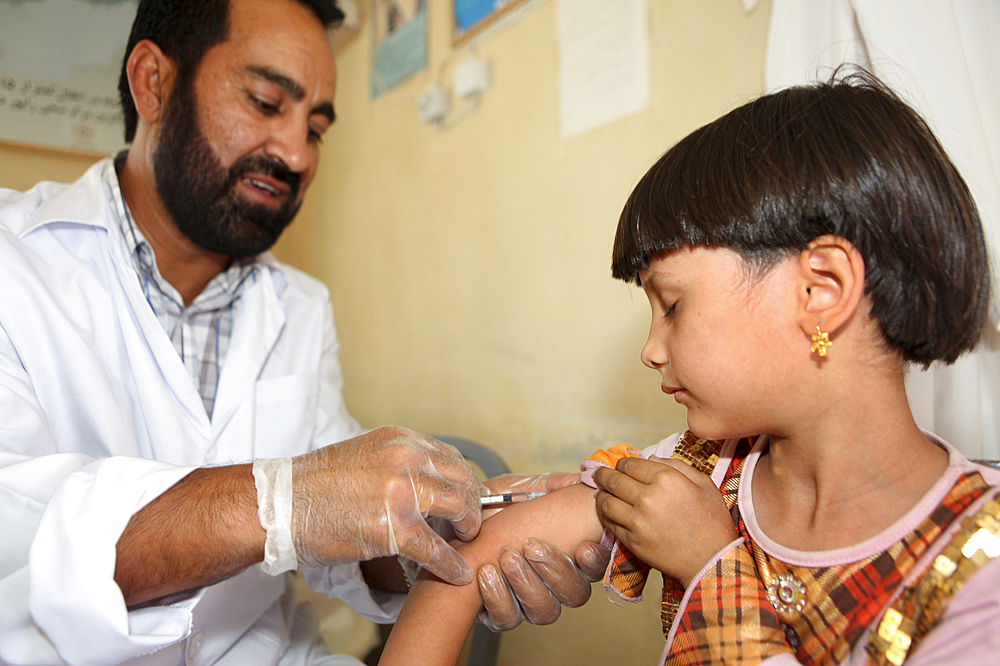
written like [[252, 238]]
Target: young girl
[[798, 254]]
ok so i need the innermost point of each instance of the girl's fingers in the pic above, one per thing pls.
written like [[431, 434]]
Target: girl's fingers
[[613, 512], [645, 471], [617, 483]]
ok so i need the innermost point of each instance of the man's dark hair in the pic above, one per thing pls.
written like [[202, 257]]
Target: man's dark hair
[[184, 30], [848, 158]]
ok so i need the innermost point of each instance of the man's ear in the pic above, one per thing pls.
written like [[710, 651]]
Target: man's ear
[[151, 76], [833, 285]]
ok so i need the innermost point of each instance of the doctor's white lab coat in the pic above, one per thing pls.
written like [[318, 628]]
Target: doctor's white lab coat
[[98, 416]]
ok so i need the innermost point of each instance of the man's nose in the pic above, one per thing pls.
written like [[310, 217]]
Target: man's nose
[[290, 144]]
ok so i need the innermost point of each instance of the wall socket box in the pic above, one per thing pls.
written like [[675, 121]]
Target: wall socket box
[[470, 77], [434, 104]]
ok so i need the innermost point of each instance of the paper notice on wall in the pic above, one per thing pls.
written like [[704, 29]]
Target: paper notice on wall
[[59, 67], [603, 62]]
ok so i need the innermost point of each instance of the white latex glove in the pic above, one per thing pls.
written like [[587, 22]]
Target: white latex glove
[[535, 582], [516, 483], [368, 497]]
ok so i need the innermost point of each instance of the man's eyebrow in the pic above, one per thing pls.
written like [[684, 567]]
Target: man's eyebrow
[[286, 83], [325, 109], [292, 87]]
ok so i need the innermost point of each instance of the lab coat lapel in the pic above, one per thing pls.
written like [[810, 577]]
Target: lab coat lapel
[[259, 320], [152, 354]]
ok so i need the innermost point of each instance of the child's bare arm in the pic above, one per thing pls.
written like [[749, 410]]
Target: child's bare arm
[[437, 617]]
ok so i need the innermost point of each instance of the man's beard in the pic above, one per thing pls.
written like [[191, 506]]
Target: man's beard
[[200, 194]]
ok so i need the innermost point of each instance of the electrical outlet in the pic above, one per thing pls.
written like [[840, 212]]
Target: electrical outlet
[[470, 77], [433, 104]]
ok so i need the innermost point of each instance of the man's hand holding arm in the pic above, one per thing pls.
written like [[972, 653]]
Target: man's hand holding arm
[[368, 497], [536, 582]]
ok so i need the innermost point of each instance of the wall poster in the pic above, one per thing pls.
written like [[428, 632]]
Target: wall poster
[[472, 15], [59, 67], [399, 44]]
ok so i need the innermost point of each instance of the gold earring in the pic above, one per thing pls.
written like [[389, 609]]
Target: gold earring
[[821, 342]]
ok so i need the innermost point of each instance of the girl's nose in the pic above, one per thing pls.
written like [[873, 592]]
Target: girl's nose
[[654, 352]]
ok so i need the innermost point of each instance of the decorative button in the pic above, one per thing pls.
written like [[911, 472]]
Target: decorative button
[[787, 594], [194, 645]]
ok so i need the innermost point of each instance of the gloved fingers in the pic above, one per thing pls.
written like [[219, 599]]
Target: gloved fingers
[[442, 528], [557, 480], [456, 503], [538, 604], [558, 572], [452, 466], [412, 485], [448, 461], [593, 559], [443, 447], [448, 488], [501, 611], [369, 496], [420, 544], [531, 482], [398, 447]]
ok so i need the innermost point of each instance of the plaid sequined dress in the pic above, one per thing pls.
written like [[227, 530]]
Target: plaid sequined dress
[[758, 600]]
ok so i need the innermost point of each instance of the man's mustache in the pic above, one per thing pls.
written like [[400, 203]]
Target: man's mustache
[[266, 166]]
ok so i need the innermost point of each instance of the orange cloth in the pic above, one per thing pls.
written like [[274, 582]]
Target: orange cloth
[[614, 454], [627, 574]]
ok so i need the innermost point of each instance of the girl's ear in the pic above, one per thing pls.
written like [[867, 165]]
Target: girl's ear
[[833, 285], [150, 77]]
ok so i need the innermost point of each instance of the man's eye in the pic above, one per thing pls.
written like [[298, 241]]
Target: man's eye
[[670, 311], [264, 105], [315, 136]]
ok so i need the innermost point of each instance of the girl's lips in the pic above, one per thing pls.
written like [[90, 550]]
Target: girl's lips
[[675, 391]]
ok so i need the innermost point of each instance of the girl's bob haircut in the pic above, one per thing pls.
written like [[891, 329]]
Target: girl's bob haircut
[[848, 158]]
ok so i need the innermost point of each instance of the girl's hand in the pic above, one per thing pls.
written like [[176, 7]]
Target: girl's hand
[[670, 515]]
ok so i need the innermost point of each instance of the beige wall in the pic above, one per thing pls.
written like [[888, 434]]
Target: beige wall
[[469, 269], [20, 167]]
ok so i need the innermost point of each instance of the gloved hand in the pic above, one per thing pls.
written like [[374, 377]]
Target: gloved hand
[[517, 483], [369, 496], [537, 581]]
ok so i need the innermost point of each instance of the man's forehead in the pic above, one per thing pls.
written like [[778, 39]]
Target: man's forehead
[[283, 38], [278, 22]]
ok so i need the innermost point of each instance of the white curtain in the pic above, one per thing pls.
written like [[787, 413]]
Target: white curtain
[[943, 57]]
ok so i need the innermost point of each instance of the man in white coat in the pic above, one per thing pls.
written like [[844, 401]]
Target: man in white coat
[[170, 395]]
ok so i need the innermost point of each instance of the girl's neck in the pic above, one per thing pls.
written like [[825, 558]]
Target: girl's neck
[[836, 488]]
